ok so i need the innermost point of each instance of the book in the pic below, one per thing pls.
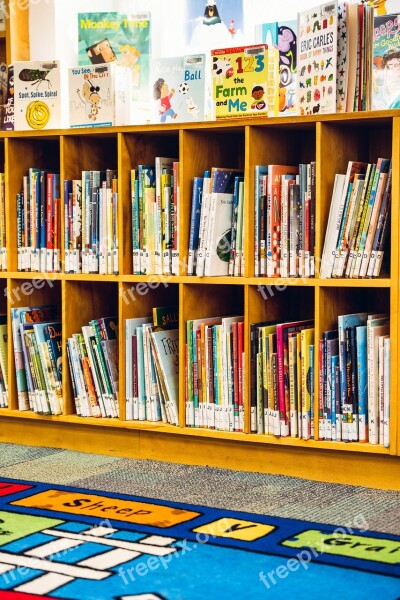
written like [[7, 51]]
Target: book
[[206, 23], [245, 81], [385, 61], [317, 59], [123, 38], [37, 95], [165, 344], [179, 88], [94, 95], [220, 221], [283, 36]]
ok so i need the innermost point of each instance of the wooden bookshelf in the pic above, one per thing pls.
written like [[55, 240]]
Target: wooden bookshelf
[[331, 141]]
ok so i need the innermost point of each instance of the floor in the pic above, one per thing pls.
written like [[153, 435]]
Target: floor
[[276, 495]]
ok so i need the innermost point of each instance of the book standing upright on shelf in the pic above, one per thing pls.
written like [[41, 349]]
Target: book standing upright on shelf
[[317, 59], [245, 81], [37, 95], [179, 88], [283, 36]]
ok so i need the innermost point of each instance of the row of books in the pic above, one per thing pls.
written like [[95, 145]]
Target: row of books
[[155, 217], [3, 362], [354, 380], [39, 222], [91, 223], [281, 376], [152, 366], [358, 221], [216, 236], [354, 372], [37, 352], [284, 220], [214, 373], [93, 361]]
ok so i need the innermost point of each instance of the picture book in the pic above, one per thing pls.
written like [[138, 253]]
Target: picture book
[[386, 62], [179, 88], [37, 102], [94, 95], [245, 81], [283, 36], [8, 117], [317, 59], [211, 23], [111, 36]]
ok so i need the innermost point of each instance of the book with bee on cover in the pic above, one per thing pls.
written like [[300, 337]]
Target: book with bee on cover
[[37, 96]]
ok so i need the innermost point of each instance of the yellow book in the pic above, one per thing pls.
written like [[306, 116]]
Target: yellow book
[[245, 81]]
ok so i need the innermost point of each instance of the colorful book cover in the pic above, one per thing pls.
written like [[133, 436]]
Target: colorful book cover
[[37, 101], [386, 62], [95, 99], [8, 119], [245, 81], [179, 88], [283, 35], [317, 59], [342, 58], [209, 23], [111, 36]]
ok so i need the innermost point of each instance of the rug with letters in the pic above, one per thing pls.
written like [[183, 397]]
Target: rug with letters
[[77, 544]]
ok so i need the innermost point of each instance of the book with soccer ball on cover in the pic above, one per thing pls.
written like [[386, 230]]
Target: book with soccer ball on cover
[[179, 89]]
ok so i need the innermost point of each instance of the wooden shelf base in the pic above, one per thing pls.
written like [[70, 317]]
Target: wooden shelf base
[[195, 448]]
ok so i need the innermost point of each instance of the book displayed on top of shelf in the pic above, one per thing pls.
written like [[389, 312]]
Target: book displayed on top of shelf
[[37, 91], [111, 36], [283, 35], [317, 59], [386, 62], [8, 119], [99, 95], [179, 88], [245, 81]]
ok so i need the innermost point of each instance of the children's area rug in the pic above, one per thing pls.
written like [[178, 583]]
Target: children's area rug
[[77, 544]]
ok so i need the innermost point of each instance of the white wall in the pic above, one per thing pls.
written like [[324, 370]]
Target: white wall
[[53, 23]]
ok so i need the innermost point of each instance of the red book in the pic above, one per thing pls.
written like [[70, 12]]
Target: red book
[[240, 348]]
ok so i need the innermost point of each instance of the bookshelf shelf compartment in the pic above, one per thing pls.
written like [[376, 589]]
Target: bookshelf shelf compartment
[[329, 140]]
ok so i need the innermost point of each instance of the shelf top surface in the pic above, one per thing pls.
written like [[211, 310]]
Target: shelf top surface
[[370, 117]]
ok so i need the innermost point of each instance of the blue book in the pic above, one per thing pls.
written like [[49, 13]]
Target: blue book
[[334, 392], [362, 376], [235, 207], [194, 223], [345, 321]]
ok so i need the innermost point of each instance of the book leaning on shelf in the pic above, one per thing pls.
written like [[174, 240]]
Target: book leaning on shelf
[[152, 366], [93, 362]]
